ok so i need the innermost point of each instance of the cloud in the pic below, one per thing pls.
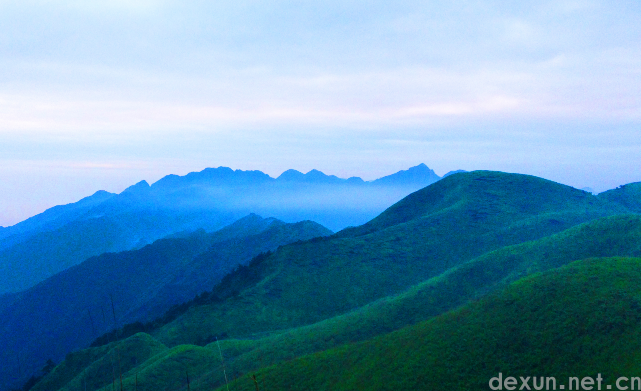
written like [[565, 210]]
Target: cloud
[[277, 84]]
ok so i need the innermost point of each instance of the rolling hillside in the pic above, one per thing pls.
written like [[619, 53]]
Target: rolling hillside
[[579, 320], [425, 258], [444, 225], [74, 307], [564, 294], [612, 236], [627, 195]]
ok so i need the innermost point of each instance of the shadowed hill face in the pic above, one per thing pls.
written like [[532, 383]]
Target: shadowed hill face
[[251, 224], [427, 233], [579, 320], [47, 253], [207, 268], [73, 308]]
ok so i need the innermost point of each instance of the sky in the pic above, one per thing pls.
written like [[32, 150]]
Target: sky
[[98, 94]]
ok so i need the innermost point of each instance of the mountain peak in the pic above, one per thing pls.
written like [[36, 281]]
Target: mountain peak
[[315, 172], [420, 168], [319, 175], [102, 193], [210, 175], [138, 187], [312, 176], [418, 175], [291, 175], [479, 187]]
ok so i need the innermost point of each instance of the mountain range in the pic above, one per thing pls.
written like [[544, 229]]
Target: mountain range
[[475, 274], [66, 235]]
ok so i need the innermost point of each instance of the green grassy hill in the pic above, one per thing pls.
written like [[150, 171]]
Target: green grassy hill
[[627, 195], [139, 359], [444, 225], [488, 198], [619, 235], [170, 370], [99, 366], [207, 268], [451, 243], [579, 320]]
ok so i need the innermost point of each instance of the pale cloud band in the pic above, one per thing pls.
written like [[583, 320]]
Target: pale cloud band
[[101, 64], [355, 87]]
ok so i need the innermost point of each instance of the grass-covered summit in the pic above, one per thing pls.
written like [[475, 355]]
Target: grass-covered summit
[[488, 197], [627, 195]]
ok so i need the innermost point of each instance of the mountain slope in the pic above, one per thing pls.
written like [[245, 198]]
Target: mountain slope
[[415, 262], [66, 235], [47, 253], [74, 307], [444, 225], [612, 236], [627, 195], [51, 219], [209, 267], [105, 364], [579, 320]]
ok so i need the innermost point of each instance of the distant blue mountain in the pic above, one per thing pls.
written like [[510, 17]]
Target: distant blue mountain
[[66, 235], [314, 176], [213, 176], [292, 175], [51, 219], [418, 175]]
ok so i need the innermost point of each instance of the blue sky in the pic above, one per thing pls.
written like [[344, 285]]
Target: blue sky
[[101, 94]]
